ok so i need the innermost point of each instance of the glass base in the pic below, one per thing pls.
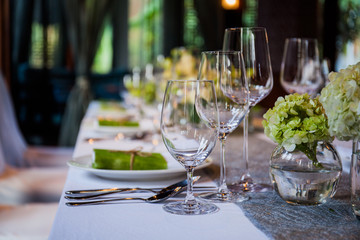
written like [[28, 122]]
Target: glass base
[[247, 185], [197, 208], [223, 197], [356, 211]]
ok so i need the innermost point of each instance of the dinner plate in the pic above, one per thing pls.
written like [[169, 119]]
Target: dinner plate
[[110, 129], [174, 170]]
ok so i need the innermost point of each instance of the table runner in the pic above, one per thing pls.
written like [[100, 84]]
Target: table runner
[[278, 220]]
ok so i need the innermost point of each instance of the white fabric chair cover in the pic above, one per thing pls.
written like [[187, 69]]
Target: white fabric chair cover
[[12, 143], [31, 221], [2, 161], [31, 178], [13, 149]]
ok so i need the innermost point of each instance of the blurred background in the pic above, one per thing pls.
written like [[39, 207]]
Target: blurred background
[[43, 42]]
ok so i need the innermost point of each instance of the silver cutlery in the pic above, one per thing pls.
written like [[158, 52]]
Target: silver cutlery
[[91, 193], [162, 196], [84, 194]]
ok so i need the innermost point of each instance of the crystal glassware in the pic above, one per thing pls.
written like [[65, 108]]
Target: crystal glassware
[[253, 43], [300, 67], [225, 66], [355, 179], [190, 128], [299, 181]]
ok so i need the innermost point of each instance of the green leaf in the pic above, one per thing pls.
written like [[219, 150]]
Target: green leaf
[[309, 149]]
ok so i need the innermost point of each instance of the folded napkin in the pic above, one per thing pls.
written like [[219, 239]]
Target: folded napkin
[[127, 160], [111, 106], [117, 122]]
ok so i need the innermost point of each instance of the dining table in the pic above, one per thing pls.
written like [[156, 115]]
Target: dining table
[[263, 216]]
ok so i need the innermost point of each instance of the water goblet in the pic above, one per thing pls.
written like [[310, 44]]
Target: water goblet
[[300, 67], [225, 66], [189, 128], [253, 43]]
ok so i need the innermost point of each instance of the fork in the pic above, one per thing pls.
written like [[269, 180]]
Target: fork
[[159, 197]]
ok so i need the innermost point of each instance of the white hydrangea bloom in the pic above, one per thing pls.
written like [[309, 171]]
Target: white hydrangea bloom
[[341, 100]]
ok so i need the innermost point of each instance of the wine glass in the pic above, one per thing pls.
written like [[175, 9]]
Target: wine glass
[[225, 66], [300, 67], [134, 87], [253, 43], [189, 128]]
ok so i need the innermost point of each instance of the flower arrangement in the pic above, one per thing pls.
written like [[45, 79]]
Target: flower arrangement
[[183, 64], [297, 122], [341, 100]]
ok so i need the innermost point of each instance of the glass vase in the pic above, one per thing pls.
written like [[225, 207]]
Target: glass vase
[[355, 178], [300, 181]]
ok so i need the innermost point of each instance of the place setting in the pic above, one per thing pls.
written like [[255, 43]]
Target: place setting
[[196, 115], [155, 119], [162, 155]]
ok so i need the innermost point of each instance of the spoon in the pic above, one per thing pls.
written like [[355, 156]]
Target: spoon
[[162, 196], [85, 194]]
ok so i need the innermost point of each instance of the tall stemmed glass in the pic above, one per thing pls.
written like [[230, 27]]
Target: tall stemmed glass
[[189, 128], [224, 66], [253, 43], [300, 67]]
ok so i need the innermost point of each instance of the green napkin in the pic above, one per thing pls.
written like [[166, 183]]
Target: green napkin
[[110, 105], [121, 160], [117, 123]]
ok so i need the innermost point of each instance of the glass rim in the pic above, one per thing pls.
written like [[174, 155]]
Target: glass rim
[[301, 39], [222, 52], [190, 80], [245, 28]]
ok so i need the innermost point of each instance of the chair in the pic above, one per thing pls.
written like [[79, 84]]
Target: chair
[[31, 177], [13, 147], [12, 144]]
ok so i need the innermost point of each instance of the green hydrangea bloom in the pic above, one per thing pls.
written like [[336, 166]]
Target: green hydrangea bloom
[[297, 122], [341, 100]]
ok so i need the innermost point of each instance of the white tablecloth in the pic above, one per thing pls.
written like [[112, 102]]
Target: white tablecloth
[[139, 220]]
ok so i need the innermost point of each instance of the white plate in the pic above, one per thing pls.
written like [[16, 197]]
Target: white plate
[[114, 129], [145, 125], [108, 129], [174, 170]]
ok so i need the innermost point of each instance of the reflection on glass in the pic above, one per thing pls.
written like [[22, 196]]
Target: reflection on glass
[[189, 128], [300, 67], [226, 69], [253, 43]]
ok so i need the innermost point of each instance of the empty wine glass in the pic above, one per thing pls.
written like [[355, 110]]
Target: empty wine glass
[[225, 66], [189, 128], [253, 43], [300, 67]]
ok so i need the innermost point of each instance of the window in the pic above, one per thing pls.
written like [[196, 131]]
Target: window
[[250, 13], [103, 58], [192, 36], [348, 42], [145, 32], [44, 40]]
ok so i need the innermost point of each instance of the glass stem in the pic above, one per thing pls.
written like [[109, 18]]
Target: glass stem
[[190, 198], [355, 178], [245, 147], [222, 184]]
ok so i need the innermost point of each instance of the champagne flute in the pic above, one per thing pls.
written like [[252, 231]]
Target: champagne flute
[[300, 67], [253, 43], [224, 66], [189, 128]]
